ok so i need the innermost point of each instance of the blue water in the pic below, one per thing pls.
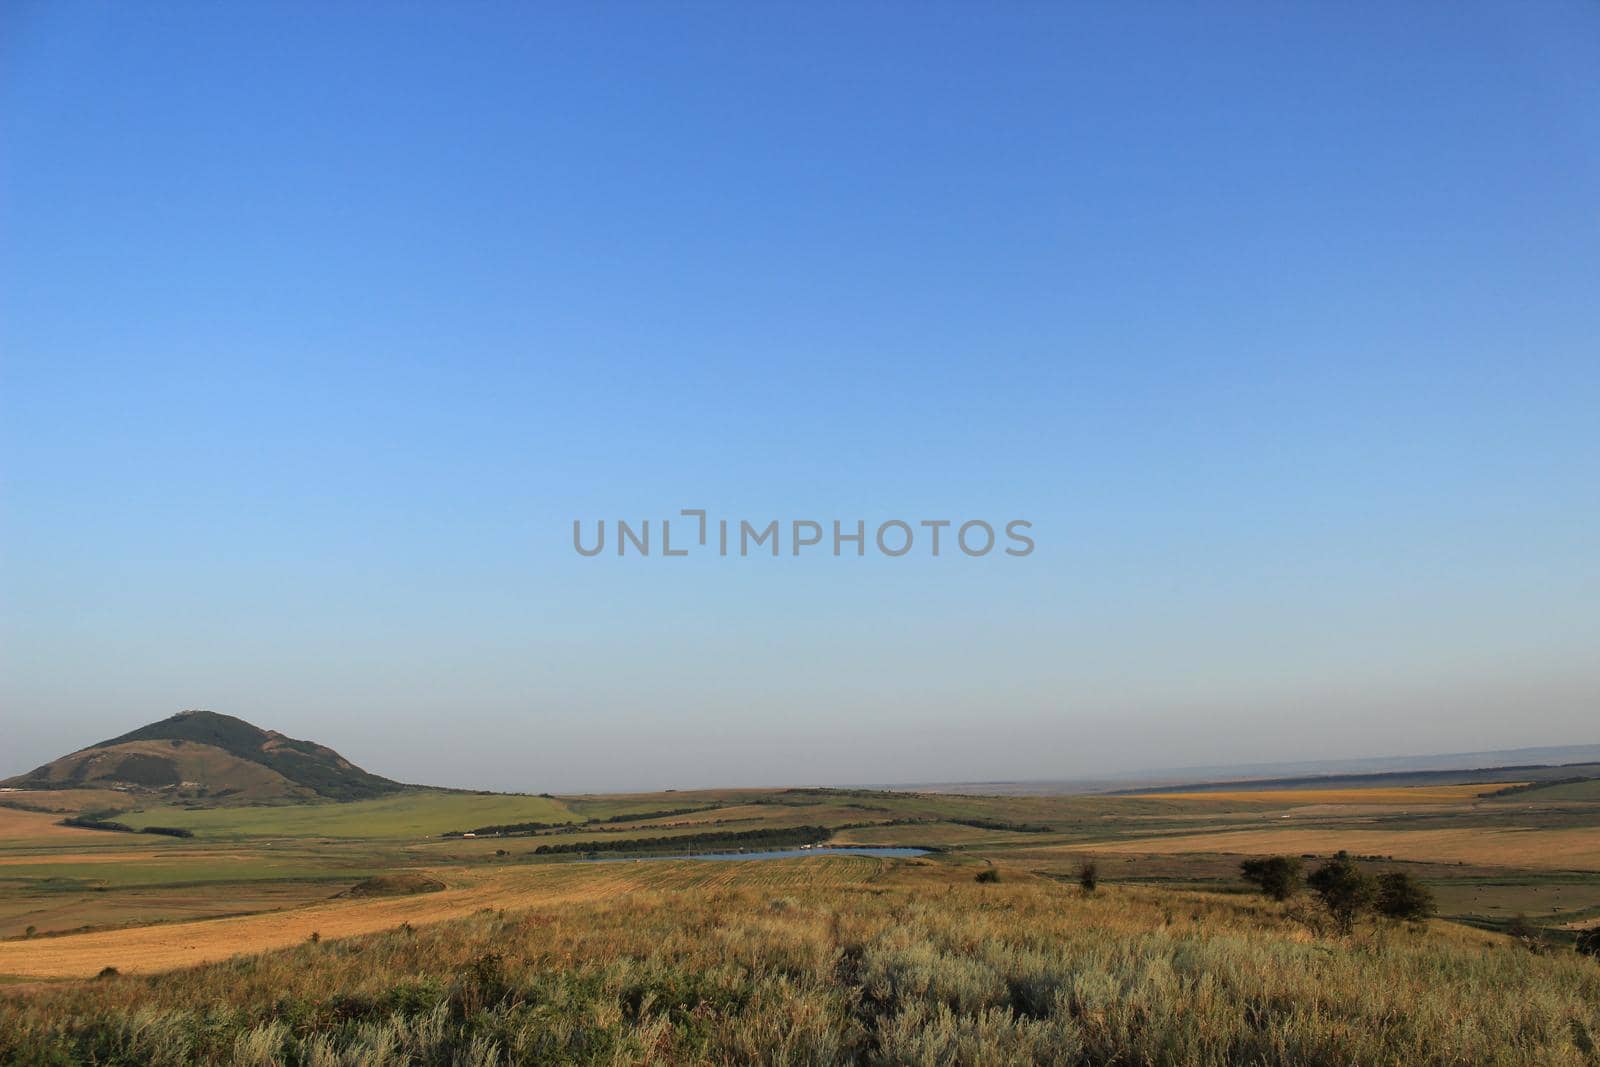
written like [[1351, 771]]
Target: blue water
[[774, 854]]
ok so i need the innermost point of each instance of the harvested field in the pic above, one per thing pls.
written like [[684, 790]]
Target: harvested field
[[1422, 794], [24, 829], [172, 945], [1559, 849], [52, 911]]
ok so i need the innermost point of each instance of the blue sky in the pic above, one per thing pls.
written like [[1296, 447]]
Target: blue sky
[[318, 329]]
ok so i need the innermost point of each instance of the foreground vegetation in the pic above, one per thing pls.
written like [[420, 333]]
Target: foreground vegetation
[[919, 968], [1038, 929]]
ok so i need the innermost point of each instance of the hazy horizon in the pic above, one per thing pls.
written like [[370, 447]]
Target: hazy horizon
[[658, 778], [319, 328]]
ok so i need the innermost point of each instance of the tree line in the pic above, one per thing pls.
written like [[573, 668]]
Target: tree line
[[510, 829], [84, 822], [775, 837]]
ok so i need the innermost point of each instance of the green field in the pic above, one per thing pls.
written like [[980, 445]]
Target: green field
[[417, 814], [1587, 791]]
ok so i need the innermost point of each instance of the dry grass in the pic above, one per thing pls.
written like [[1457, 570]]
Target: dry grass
[[158, 948], [814, 960], [910, 968]]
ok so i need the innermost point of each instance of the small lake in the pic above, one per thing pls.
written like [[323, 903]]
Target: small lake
[[774, 854]]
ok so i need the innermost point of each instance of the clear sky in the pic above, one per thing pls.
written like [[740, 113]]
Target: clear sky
[[1281, 323]]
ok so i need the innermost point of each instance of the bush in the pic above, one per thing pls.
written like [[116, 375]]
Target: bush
[[1276, 876], [1589, 942], [989, 875], [1401, 896], [1089, 875], [1345, 889]]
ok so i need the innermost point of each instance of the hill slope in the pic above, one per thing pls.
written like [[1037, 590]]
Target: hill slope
[[201, 754]]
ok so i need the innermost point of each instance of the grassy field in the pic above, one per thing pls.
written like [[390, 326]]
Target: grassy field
[[899, 965], [1587, 791], [406, 815], [814, 959]]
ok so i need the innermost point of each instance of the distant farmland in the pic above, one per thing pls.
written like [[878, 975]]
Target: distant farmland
[[1421, 794], [784, 948]]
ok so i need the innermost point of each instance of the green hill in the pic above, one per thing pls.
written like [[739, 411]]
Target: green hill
[[204, 755]]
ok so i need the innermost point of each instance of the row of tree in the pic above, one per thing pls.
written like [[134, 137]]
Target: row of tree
[[1346, 890], [87, 822], [515, 829], [736, 841]]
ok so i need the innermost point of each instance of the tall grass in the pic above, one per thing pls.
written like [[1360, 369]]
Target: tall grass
[[1023, 971]]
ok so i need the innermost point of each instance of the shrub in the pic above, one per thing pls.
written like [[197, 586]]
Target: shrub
[[1089, 875], [1401, 896], [1345, 889], [1276, 876], [1526, 934], [1589, 942], [988, 875]]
